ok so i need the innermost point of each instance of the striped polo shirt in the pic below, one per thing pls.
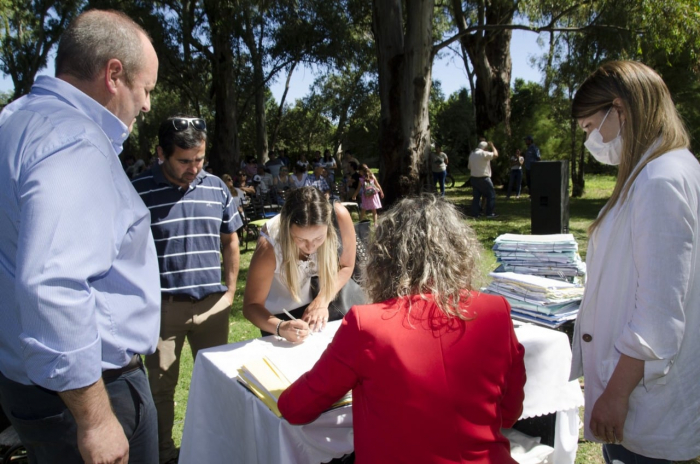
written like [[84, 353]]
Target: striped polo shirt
[[186, 225]]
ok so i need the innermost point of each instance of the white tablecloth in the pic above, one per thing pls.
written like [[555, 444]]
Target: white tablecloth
[[225, 423]]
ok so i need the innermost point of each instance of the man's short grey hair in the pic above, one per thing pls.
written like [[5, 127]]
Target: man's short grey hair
[[94, 38], [483, 145]]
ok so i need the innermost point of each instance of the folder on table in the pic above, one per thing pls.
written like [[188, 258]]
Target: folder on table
[[266, 381]]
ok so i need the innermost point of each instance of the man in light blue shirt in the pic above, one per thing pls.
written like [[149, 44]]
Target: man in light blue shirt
[[78, 268]]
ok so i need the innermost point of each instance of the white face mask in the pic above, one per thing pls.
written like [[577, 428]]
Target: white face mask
[[605, 152]]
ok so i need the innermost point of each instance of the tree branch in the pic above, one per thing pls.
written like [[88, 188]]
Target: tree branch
[[521, 27]]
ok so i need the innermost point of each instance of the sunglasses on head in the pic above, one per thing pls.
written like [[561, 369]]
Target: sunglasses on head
[[180, 124]]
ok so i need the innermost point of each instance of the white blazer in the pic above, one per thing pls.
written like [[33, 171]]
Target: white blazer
[[642, 299]]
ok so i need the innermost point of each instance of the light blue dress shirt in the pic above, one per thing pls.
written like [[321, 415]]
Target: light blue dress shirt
[[79, 282]]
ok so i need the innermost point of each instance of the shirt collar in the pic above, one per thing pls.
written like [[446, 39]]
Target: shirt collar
[[114, 129]]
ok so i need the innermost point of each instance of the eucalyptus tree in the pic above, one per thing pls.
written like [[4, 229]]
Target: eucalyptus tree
[[404, 33], [586, 37]]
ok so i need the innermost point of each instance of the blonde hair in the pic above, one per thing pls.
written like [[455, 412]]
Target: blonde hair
[[651, 119], [364, 169], [228, 178], [305, 207], [423, 245]]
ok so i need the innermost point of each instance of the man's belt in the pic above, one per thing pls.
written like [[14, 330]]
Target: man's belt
[[179, 298], [111, 374]]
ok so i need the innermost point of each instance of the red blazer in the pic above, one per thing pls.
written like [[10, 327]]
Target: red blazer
[[426, 388]]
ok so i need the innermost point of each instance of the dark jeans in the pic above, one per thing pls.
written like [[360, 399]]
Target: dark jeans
[[527, 181], [622, 454], [49, 432], [439, 177], [516, 177], [483, 186]]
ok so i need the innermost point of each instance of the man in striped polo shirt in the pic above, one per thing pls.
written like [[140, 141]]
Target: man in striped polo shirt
[[193, 219]]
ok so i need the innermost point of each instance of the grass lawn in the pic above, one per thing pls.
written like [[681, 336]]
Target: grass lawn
[[514, 217]]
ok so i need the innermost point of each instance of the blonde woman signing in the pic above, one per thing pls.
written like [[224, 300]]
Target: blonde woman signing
[[636, 339], [296, 245], [435, 367]]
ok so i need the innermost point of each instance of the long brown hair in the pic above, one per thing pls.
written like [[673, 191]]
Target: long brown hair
[[651, 119]]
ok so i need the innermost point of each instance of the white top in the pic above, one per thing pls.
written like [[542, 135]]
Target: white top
[[438, 162], [280, 297], [519, 166], [641, 299], [243, 198], [300, 183], [480, 163]]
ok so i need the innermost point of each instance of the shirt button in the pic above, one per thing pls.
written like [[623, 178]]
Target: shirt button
[[587, 337]]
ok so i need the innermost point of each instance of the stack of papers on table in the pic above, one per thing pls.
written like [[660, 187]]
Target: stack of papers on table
[[268, 376], [554, 256], [544, 301]]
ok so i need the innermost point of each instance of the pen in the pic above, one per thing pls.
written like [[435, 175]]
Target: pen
[[311, 332]]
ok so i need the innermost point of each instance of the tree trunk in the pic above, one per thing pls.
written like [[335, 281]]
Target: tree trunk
[[225, 147], [548, 70], [405, 66], [489, 52], [344, 110], [260, 117], [280, 111], [256, 57], [577, 154]]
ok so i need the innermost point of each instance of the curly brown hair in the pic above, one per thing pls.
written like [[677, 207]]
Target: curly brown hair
[[423, 245]]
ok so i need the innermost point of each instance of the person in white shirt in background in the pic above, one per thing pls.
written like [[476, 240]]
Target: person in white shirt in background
[[480, 167], [274, 164], [636, 338], [300, 178], [329, 163], [266, 179], [439, 163]]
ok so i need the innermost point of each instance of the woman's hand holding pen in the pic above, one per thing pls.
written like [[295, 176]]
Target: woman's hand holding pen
[[295, 331]]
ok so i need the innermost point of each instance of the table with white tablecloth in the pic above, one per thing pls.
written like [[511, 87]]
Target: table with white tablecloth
[[226, 423]]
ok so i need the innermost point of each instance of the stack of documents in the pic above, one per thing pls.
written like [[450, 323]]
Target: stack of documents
[[547, 302], [268, 376], [554, 256]]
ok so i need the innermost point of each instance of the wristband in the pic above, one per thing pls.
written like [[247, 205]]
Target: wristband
[[277, 330]]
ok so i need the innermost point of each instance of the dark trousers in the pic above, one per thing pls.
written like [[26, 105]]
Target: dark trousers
[[527, 181], [483, 186], [48, 430], [439, 178], [620, 453], [516, 177]]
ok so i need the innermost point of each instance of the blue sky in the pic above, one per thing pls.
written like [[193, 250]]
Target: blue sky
[[449, 70]]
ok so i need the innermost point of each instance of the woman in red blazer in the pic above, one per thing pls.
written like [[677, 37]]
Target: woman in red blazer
[[434, 367]]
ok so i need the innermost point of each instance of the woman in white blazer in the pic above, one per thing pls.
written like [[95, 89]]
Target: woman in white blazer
[[637, 337]]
